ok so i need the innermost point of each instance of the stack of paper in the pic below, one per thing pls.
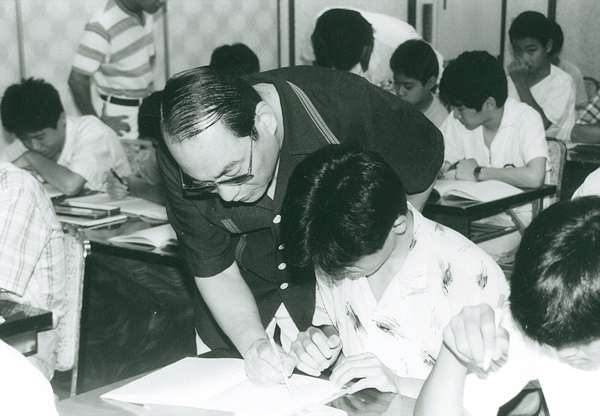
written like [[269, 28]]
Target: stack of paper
[[160, 236], [130, 205], [221, 384], [484, 191]]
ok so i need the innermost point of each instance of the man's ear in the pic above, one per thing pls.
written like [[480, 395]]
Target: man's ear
[[400, 225], [431, 82], [265, 117], [62, 120], [549, 46], [490, 104]]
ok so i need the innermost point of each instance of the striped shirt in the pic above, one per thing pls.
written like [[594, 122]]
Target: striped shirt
[[32, 260], [118, 51]]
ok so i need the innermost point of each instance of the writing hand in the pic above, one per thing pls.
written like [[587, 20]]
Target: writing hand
[[115, 189], [314, 352], [473, 333], [116, 123], [464, 169], [518, 71], [369, 369], [262, 365]]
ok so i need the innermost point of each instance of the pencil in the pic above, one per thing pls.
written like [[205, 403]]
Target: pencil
[[118, 177], [285, 377]]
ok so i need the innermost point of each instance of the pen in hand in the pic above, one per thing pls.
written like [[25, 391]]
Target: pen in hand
[[285, 377], [118, 178]]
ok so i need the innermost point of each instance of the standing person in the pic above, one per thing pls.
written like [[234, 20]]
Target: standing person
[[117, 56], [232, 145]]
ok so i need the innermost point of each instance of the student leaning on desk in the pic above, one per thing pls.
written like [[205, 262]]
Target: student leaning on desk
[[70, 153], [551, 332]]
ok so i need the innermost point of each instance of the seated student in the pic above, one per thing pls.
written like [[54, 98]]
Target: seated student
[[358, 41], [592, 86], [24, 389], [558, 39], [416, 71], [552, 332], [388, 279], [70, 153], [147, 182], [534, 80], [490, 135], [587, 128], [32, 262], [236, 60]]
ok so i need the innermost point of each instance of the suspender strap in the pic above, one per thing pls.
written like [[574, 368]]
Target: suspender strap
[[314, 115]]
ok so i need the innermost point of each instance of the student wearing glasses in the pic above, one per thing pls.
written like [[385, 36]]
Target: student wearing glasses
[[232, 145]]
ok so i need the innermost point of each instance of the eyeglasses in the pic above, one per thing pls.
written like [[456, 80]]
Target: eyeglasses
[[192, 186]]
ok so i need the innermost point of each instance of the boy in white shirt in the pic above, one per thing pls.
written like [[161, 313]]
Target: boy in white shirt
[[552, 333], [388, 279]]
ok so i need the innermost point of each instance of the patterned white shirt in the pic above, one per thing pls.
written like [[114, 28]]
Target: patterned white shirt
[[443, 272]]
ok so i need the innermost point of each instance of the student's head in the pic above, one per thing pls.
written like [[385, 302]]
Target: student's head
[[531, 39], [416, 69], [149, 118], [218, 130], [236, 60], [474, 85], [592, 86], [342, 39], [558, 38], [32, 110], [555, 286], [341, 207]]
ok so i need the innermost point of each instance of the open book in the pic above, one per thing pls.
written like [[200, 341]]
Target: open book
[[484, 191], [129, 205], [221, 384], [160, 236]]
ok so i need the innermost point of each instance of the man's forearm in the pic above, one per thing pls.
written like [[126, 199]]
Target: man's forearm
[[80, 88], [586, 133], [528, 98], [233, 306], [57, 175]]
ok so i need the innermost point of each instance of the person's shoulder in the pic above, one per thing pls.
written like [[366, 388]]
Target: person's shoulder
[[559, 75]]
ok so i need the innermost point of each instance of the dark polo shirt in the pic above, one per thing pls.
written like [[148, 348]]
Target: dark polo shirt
[[213, 234]]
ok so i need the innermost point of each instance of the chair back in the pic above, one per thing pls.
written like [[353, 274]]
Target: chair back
[[557, 152], [67, 351]]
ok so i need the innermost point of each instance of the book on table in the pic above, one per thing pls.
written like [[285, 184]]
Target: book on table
[[160, 236], [129, 205], [484, 191], [91, 222], [222, 384]]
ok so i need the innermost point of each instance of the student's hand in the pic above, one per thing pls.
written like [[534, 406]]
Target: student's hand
[[472, 334], [369, 369], [262, 365], [518, 71], [464, 169], [314, 352], [116, 123], [115, 189]]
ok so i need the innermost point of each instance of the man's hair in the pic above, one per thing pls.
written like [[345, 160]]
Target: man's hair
[[558, 38], [415, 59], [471, 78], [555, 286], [236, 60], [340, 205], [530, 25], [196, 99], [31, 106], [339, 39]]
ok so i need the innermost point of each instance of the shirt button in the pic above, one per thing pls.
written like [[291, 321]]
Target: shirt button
[[282, 266], [284, 286], [277, 219], [281, 246]]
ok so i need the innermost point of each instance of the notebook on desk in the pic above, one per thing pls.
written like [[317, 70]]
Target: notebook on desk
[[221, 384]]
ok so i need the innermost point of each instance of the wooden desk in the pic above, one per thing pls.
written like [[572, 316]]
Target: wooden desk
[[586, 153], [138, 309], [459, 214], [22, 324], [366, 402]]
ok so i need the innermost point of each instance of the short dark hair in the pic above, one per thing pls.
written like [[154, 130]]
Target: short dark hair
[[31, 106], [339, 39], [415, 59], [558, 38], [236, 60], [530, 25], [471, 78], [195, 99], [340, 205], [555, 286]]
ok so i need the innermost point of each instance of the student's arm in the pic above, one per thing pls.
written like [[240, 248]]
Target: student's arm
[[233, 306], [518, 73], [529, 176], [62, 178], [316, 349], [586, 133], [135, 186], [468, 339], [80, 87]]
